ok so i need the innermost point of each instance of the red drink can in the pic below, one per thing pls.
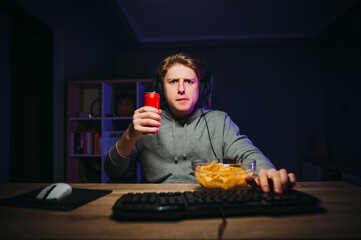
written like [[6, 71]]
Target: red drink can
[[151, 99]]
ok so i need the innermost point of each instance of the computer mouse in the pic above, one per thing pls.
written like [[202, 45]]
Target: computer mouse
[[54, 192]]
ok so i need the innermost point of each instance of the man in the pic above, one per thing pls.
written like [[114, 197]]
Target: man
[[186, 131]]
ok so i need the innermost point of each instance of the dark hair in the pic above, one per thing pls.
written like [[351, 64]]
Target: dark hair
[[204, 77]]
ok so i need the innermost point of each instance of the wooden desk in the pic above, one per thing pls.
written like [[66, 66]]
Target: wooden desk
[[92, 221]]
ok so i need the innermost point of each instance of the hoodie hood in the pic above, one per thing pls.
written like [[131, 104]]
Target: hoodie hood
[[167, 115]]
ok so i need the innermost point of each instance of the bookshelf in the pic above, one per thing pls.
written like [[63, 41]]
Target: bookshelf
[[99, 109]]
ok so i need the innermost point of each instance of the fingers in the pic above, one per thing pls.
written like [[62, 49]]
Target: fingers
[[278, 181], [292, 178], [146, 120], [263, 180], [275, 177], [284, 180], [149, 112], [271, 181], [146, 125], [149, 109]]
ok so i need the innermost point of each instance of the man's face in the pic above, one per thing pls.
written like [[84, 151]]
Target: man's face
[[181, 90]]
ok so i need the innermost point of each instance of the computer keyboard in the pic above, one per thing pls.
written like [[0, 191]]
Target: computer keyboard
[[210, 203]]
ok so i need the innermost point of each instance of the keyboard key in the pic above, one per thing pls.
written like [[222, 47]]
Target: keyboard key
[[190, 198], [152, 197], [180, 200]]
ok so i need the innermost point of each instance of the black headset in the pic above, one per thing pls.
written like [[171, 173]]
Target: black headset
[[205, 89]]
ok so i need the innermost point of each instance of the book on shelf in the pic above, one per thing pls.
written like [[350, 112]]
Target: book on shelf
[[97, 146], [85, 142]]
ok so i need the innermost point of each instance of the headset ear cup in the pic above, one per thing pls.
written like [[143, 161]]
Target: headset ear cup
[[205, 89], [210, 84], [201, 90], [157, 86]]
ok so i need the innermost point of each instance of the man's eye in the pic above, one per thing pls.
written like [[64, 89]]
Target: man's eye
[[189, 81], [172, 82]]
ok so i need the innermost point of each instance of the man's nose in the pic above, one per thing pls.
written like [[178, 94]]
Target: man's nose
[[181, 88]]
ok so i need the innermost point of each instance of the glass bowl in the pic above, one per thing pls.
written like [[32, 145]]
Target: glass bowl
[[222, 173]]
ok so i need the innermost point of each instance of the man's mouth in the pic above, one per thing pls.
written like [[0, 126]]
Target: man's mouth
[[182, 99]]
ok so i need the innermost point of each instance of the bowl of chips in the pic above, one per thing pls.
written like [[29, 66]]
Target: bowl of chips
[[222, 173]]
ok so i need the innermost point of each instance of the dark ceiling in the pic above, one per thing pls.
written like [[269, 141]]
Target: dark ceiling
[[174, 23]]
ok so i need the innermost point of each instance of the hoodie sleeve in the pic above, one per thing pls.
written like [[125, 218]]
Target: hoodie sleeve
[[118, 167], [239, 146]]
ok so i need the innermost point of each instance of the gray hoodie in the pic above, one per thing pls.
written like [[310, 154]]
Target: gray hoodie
[[166, 157]]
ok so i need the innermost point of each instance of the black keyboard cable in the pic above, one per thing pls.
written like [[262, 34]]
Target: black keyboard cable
[[223, 225]]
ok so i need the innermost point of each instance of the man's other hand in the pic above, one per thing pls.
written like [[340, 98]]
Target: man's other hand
[[279, 180]]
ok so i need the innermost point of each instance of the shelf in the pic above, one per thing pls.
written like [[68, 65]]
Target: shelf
[[84, 119], [118, 100], [99, 118], [118, 118], [84, 155]]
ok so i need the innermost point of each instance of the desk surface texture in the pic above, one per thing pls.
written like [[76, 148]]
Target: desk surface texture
[[92, 221]]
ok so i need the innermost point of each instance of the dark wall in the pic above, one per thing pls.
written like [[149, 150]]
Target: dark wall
[[87, 54], [341, 64], [31, 115], [4, 91], [274, 94], [81, 52]]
